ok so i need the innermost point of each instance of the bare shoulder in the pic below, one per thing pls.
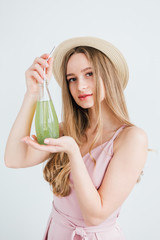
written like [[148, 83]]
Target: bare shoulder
[[131, 147], [134, 131], [131, 135]]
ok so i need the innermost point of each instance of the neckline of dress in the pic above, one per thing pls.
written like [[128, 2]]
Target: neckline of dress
[[96, 147], [93, 149]]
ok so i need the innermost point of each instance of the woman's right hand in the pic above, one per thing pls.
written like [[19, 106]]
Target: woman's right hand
[[35, 73]]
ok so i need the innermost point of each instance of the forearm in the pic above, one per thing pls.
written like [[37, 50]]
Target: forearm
[[88, 196], [16, 150]]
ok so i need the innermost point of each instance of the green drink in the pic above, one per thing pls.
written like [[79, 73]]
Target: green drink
[[46, 121]]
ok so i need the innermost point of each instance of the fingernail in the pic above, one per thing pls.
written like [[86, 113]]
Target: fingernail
[[46, 141]]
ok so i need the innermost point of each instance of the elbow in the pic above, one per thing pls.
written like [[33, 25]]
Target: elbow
[[96, 216], [9, 164], [6, 162]]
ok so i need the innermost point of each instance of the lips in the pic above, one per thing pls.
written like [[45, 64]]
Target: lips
[[84, 96]]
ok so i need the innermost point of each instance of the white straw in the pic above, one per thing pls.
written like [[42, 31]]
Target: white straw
[[47, 61]]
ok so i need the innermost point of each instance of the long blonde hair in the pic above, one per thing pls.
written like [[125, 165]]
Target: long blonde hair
[[76, 119]]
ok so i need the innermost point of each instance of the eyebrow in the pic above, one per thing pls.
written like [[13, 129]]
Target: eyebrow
[[83, 70]]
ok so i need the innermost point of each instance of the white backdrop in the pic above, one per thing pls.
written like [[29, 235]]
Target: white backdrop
[[31, 28]]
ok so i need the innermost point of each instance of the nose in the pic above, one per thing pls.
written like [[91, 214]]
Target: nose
[[81, 83]]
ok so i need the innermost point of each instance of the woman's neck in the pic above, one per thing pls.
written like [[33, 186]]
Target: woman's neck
[[109, 122]]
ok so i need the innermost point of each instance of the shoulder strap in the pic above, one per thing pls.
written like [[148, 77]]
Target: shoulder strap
[[117, 132]]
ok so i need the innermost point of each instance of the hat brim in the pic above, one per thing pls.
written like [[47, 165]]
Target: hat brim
[[107, 48]]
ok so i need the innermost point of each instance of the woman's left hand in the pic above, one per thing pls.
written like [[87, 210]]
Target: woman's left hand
[[63, 144]]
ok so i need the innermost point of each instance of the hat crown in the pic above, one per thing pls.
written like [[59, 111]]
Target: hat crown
[[107, 48]]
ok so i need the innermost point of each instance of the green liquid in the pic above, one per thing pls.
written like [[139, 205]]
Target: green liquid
[[46, 121]]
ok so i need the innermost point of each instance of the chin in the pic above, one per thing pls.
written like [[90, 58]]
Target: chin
[[90, 107], [85, 106]]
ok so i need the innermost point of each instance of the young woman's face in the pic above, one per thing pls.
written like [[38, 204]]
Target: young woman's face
[[81, 81]]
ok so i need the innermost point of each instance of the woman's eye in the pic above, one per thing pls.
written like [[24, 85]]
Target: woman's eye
[[89, 74], [71, 79]]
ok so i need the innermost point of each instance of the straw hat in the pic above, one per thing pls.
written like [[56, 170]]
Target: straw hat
[[107, 48]]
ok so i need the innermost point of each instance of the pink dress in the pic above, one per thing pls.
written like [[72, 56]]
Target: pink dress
[[66, 221]]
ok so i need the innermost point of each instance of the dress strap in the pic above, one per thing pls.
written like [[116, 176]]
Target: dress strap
[[117, 132]]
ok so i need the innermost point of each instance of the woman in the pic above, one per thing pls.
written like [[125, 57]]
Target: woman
[[100, 154]]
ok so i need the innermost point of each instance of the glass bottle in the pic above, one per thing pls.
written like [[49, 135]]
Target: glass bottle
[[46, 121]]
